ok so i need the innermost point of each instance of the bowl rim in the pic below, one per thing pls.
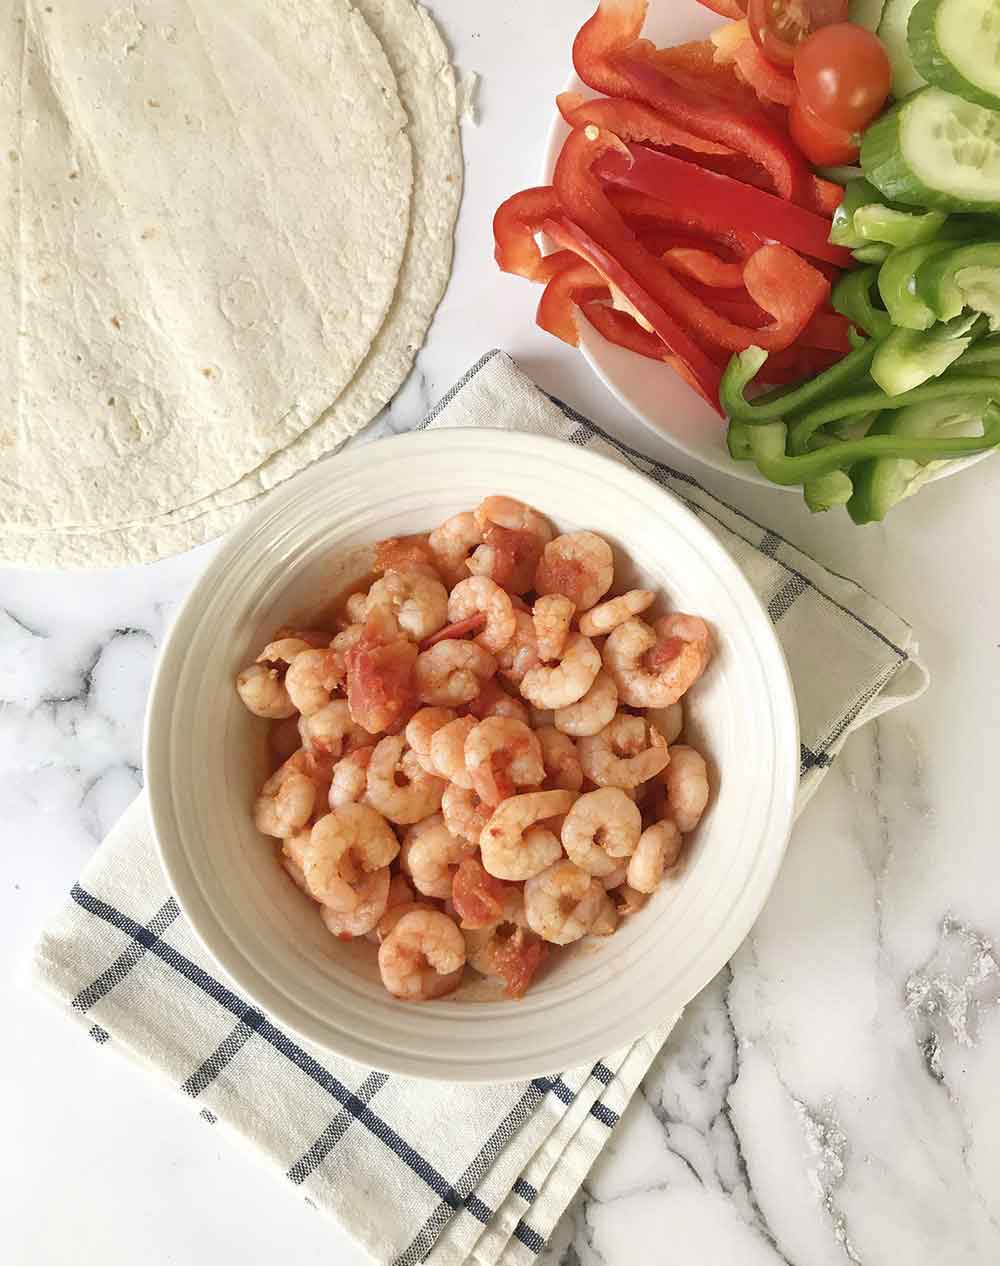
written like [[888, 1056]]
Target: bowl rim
[[211, 934]]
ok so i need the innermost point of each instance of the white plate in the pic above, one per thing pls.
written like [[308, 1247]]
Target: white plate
[[652, 392], [204, 761]]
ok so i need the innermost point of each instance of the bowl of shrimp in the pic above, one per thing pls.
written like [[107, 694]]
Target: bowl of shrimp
[[472, 756]]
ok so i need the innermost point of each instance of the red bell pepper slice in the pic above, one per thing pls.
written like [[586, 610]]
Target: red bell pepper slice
[[641, 211], [572, 286], [703, 266], [605, 62], [625, 331], [634, 118], [717, 196], [777, 279], [767, 81], [700, 370], [514, 227], [825, 196]]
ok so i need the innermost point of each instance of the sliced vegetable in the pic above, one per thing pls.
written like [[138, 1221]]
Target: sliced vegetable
[[843, 75], [897, 285], [633, 118], [883, 482], [866, 13], [604, 60], [767, 80], [577, 284], [672, 180], [852, 296], [826, 491], [675, 210], [821, 143], [908, 358], [961, 277], [956, 45], [514, 227], [624, 330], [768, 448], [743, 368], [780, 26], [877, 223], [700, 370], [857, 194], [892, 31], [936, 150]]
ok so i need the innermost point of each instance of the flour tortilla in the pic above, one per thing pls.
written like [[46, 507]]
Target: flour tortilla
[[214, 203], [426, 85]]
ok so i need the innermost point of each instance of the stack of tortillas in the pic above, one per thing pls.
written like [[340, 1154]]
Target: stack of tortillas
[[225, 232]]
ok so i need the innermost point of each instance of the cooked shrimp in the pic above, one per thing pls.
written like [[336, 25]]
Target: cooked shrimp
[[422, 957], [373, 893], [607, 917], [286, 800], [381, 686], [602, 619], [432, 856], [312, 677], [292, 850], [398, 785], [617, 877], [324, 731], [512, 847], [480, 900], [452, 543], [562, 902], [629, 900], [552, 615], [452, 673], [346, 849], [494, 701], [356, 608], [448, 751], [521, 652], [686, 781], [625, 753], [507, 951], [658, 849], [557, 686], [394, 913], [601, 828], [312, 637], [418, 602], [350, 777], [262, 689], [513, 537], [563, 771], [653, 667], [589, 715], [579, 565], [284, 739], [397, 552], [421, 728], [478, 595], [500, 755], [464, 813]]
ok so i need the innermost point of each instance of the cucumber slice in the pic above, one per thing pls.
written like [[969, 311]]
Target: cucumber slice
[[892, 32], [866, 13], [936, 150], [956, 45]]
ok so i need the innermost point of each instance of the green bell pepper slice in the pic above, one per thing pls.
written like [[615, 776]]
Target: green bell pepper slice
[[907, 358], [875, 223], [962, 277], [774, 463], [852, 298], [744, 366]]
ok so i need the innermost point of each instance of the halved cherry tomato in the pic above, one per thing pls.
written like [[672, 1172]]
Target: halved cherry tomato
[[843, 75], [779, 26], [822, 144]]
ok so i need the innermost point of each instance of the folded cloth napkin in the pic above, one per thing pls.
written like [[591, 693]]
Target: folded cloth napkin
[[421, 1171]]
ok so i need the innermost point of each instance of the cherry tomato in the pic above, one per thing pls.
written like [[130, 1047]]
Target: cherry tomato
[[843, 74], [779, 26], [823, 145]]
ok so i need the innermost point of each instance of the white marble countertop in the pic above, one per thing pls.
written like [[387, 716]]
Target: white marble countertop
[[830, 1098]]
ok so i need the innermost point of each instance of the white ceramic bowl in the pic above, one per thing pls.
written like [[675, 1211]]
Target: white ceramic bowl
[[205, 759], [652, 392]]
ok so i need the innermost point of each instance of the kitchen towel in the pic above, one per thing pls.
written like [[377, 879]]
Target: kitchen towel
[[423, 1171]]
